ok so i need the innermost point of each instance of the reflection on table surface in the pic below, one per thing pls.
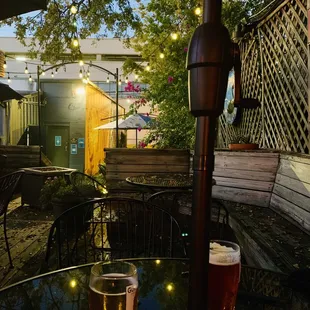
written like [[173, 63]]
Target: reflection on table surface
[[162, 285], [172, 181]]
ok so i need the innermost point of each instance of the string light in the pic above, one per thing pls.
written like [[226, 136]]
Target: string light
[[148, 68], [52, 74], [26, 69], [126, 80], [75, 42], [43, 73], [9, 79], [30, 78], [56, 70], [198, 11], [73, 9], [108, 79], [161, 55], [81, 74], [174, 36], [85, 81], [4, 65], [120, 82], [81, 62]]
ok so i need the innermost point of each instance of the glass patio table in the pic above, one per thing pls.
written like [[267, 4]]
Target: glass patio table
[[163, 284], [156, 182]]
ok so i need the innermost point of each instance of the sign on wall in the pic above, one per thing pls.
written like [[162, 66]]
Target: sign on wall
[[73, 149], [57, 140], [81, 143]]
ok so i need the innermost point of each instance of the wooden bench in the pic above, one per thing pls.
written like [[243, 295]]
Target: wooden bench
[[268, 196]]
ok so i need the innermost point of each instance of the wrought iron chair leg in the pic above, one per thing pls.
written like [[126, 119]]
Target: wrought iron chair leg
[[7, 242]]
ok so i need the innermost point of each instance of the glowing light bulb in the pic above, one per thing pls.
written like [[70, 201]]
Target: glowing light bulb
[[4, 65], [108, 79], [161, 55], [56, 70], [81, 74], [9, 79], [81, 62], [88, 72], [126, 80], [174, 36], [73, 283], [52, 74], [148, 68], [26, 70], [198, 11], [157, 261], [73, 9], [120, 82], [43, 73], [75, 42], [30, 78], [136, 77], [169, 287]]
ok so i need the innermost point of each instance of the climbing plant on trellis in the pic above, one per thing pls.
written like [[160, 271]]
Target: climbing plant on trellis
[[274, 70]]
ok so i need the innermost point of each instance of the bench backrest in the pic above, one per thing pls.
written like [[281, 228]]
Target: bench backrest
[[291, 191], [245, 177]]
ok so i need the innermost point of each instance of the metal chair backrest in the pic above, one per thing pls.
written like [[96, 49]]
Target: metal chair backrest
[[112, 228], [179, 204], [8, 184], [86, 185]]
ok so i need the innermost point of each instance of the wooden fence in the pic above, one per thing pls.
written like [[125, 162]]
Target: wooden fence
[[274, 70], [19, 156], [122, 163], [22, 114]]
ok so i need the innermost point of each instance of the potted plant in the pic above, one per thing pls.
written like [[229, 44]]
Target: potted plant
[[60, 195], [242, 142]]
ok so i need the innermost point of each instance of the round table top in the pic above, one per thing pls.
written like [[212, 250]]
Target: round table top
[[164, 181], [163, 284]]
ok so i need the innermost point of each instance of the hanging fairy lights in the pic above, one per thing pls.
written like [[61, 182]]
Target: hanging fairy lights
[[30, 78], [9, 79], [126, 80], [4, 65], [108, 79], [26, 69]]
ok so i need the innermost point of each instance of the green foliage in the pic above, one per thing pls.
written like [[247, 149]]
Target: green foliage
[[53, 30], [55, 188], [240, 139]]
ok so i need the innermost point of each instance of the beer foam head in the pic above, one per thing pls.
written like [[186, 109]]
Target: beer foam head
[[224, 254]]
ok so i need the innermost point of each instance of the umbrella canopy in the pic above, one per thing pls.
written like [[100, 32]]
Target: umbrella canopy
[[134, 121], [7, 93], [10, 8]]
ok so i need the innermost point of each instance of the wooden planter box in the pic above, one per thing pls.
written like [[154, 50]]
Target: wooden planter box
[[34, 179]]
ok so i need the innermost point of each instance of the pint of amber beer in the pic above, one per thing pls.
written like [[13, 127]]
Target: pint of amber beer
[[224, 275], [113, 286]]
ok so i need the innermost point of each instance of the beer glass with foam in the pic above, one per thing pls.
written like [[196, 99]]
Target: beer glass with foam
[[224, 275], [113, 286]]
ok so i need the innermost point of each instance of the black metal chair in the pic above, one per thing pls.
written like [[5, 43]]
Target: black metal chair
[[179, 204], [86, 185], [112, 228], [8, 184]]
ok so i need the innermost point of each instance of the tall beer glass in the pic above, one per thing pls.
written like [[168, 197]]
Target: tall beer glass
[[113, 286], [224, 275]]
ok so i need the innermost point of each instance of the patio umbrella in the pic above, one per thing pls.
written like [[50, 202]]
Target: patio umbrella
[[7, 93], [10, 8], [134, 121]]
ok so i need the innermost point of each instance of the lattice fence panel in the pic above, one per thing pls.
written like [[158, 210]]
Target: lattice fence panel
[[274, 70]]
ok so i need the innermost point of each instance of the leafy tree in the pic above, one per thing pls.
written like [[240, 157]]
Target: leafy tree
[[55, 30]]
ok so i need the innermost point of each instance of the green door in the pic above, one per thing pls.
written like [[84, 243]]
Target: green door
[[57, 145]]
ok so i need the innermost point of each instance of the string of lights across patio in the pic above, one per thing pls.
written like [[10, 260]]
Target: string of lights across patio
[[85, 74]]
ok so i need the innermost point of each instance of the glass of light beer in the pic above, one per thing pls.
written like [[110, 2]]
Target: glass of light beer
[[224, 275], [113, 286]]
